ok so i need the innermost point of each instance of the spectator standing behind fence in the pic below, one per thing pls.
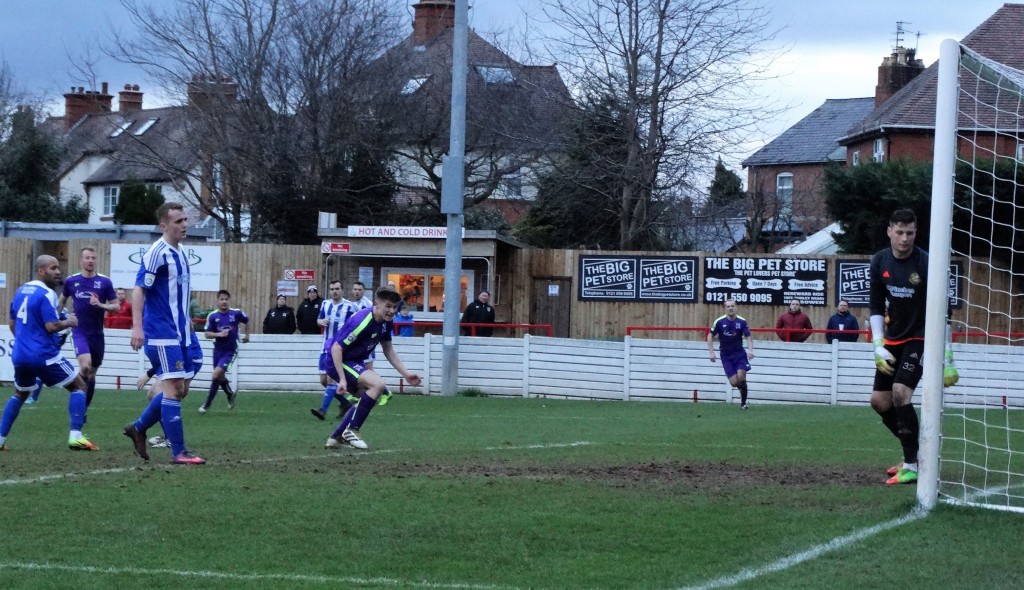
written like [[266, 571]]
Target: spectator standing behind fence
[[309, 312], [280, 319], [793, 319], [479, 312], [731, 329], [404, 315], [845, 321]]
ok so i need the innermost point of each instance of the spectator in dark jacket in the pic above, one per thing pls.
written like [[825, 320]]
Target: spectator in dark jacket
[[309, 311], [280, 319], [793, 319], [479, 312], [845, 321]]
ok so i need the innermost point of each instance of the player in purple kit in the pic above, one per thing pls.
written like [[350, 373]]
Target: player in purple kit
[[333, 314], [222, 325], [92, 296], [36, 354], [731, 329], [353, 343]]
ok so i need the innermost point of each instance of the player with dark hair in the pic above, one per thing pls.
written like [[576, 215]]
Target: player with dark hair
[[92, 296], [731, 329], [333, 313], [352, 344], [160, 323], [34, 323], [899, 276], [222, 325]]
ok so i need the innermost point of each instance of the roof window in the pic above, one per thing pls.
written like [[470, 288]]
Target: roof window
[[121, 128], [413, 85], [495, 74], [145, 126]]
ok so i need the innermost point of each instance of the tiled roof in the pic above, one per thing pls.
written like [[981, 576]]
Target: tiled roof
[[160, 153], [528, 108], [812, 140], [999, 38]]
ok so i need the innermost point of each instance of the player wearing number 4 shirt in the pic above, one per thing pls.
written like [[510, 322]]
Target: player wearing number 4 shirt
[[731, 329], [34, 324]]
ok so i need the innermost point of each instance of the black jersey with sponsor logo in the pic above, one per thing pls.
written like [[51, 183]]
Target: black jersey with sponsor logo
[[900, 283]]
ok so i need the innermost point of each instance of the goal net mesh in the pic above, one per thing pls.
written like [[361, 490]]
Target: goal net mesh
[[982, 445]]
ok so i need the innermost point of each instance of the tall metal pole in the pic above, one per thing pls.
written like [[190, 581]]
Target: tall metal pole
[[452, 184]]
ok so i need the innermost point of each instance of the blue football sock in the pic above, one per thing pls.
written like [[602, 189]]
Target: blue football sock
[[362, 411], [36, 390], [76, 409], [170, 419], [329, 392], [11, 410], [151, 415]]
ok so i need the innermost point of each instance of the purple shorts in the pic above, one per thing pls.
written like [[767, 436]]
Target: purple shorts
[[223, 358], [352, 373], [91, 344], [57, 372], [734, 362]]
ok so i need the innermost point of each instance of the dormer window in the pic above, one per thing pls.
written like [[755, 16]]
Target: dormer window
[[495, 74], [413, 85], [121, 128], [145, 126]]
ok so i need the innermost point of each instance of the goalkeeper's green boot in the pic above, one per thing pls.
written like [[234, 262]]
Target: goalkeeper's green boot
[[904, 475]]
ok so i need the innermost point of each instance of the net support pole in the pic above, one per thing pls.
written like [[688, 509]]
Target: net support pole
[[943, 170]]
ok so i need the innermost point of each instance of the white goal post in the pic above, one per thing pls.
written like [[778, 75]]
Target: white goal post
[[972, 445]]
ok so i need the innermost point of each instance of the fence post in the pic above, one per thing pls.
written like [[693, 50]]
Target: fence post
[[526, 364], [835, 373], [426, 363], [628, 340]]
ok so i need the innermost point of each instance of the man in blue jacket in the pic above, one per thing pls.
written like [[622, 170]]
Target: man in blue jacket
[[845, 321]]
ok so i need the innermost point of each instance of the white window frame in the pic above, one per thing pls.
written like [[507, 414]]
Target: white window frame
[[878, 150], [496, 74], [784, 194], [121, 128], [855, 158], [414, 84], [1020, 152], [425, 314], [110, 198], [145, 126]]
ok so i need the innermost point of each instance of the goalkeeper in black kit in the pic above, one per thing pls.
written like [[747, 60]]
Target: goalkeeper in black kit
[[899, 275]]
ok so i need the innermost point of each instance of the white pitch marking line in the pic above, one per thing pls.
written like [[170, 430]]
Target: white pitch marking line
[[579, 443], [56, 476], [252, 577], [814, 552]]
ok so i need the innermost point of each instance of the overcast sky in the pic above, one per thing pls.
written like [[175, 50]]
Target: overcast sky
[[834, 47]]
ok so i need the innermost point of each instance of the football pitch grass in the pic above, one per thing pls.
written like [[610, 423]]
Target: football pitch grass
[[474, 493]]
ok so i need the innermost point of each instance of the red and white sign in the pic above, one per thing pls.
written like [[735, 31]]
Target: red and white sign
[[300, 274], [391, 231], [335, 247]]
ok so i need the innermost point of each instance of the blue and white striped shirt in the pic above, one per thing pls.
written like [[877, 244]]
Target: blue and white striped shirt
[[164, 274], [336, 314]]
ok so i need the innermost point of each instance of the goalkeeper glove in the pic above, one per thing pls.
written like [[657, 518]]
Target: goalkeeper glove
[[949, 374], [885, 362]]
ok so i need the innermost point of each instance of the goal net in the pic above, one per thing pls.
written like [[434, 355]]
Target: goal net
[[977, 458]]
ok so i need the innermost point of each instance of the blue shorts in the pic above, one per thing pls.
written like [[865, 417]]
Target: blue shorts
[[326, 364], [223, 358], [57, 372], [171, 361], [735, 362], [352, 373], [195, 350], [90, 344]]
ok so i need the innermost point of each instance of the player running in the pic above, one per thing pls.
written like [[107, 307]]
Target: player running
[[731, 329], [222, 324]]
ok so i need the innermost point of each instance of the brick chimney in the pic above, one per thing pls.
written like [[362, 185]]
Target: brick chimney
[[205, 91], [432, 18], [81, 102], [129, 99], [896, 71]]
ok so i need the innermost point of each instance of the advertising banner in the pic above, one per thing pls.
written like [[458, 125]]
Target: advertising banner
[[765, 281], [203, 262], [666, 279]]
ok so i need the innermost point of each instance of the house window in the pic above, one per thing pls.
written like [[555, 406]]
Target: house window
[[217, 178], [413, 85], [155, 187], [855, 159], [495, 74], [121, 128], [784, 192], [422, 290], [145, 126], [512, 186], [878, 153], [1020, 152], [109, 200]]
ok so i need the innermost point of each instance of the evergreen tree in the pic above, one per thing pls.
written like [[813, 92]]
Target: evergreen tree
[[725, 189], [137, 204]]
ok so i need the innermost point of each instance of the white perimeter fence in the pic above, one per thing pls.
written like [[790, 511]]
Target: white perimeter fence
[[632, 369]]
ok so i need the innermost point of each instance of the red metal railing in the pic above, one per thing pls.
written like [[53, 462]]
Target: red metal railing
[[704, 330], [549, 331]]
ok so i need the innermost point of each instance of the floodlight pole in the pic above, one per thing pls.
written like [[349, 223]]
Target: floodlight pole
[[452, 184]]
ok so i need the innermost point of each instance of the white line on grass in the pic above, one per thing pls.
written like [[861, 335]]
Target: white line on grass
[[351, 580], [814, 552], [579, 443], [55, 476]]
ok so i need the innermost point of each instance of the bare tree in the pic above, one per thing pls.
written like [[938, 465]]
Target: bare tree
[[271, 87], [682, 74]]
